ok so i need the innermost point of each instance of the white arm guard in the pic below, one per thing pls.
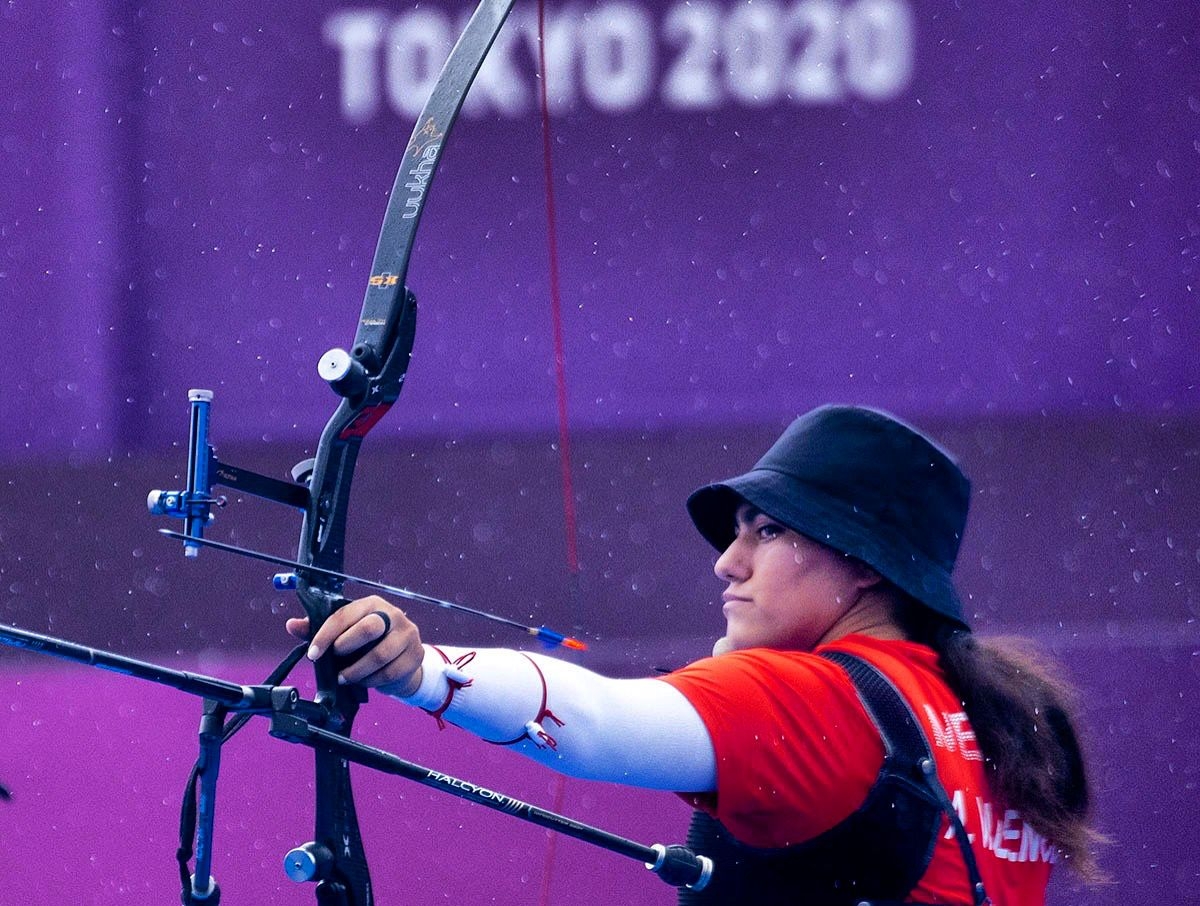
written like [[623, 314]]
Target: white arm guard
[[639, 732]]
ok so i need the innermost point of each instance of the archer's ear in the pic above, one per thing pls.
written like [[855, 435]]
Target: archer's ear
[[864, 576]]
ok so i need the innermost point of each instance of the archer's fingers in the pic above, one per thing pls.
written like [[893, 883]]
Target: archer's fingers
[[366, 630], [401, 681], [396, 659], [298, 626], [343, 619]]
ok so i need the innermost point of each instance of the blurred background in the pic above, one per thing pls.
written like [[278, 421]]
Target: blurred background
[[980, 217]]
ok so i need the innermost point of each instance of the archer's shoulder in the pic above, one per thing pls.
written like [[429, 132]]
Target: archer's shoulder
[[769, 669], [892, 656]]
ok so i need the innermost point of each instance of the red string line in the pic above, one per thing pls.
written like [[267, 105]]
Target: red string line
[[560, 383], [560, 371]]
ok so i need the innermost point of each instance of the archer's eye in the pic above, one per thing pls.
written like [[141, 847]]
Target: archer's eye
[[766, 530]]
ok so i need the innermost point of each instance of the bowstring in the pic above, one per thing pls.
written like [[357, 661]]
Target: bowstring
[[570, 524]]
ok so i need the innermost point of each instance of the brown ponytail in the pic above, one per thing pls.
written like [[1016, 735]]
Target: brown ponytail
[[1021, 713]]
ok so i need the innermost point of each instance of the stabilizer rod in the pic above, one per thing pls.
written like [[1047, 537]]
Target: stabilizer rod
[[676, 865]]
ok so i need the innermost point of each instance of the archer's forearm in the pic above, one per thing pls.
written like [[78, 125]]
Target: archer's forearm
[[640, 732]]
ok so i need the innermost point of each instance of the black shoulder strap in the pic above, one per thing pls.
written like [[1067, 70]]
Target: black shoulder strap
[[904, 741]]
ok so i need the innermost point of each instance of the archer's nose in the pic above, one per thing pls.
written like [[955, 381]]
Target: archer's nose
[[733, 565]]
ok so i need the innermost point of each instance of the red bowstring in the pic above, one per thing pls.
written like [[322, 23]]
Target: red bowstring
[[560, 371], [560, 383]]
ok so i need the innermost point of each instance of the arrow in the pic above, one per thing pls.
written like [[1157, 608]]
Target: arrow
[[544, 634]]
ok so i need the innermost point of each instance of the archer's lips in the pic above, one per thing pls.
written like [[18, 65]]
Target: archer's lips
[[732, 603]]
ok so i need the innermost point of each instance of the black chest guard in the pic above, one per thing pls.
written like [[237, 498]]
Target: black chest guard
[[874, 857]]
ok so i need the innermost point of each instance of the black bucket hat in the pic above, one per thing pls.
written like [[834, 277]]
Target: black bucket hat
[[864, 484]]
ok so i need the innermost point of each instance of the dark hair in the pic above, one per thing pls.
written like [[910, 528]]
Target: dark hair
[[1021, 713]]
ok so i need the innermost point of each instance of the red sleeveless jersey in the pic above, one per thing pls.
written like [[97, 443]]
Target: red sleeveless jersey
[[796, 754]]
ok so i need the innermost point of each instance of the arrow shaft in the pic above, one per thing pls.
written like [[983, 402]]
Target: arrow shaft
[[541, 632]]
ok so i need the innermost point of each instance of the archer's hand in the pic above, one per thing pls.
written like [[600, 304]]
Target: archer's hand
[[395, 659]]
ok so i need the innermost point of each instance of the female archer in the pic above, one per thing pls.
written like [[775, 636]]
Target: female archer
[[850, 740]]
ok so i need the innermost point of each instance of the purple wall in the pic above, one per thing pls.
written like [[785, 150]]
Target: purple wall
[[1003, 221], [984, 219]]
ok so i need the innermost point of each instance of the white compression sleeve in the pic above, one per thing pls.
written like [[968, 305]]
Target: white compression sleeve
[[640, 732]]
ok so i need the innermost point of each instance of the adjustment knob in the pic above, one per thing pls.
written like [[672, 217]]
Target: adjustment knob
[[344, 373], [302, 471], [309, 862], [163, 503], [285, 581]]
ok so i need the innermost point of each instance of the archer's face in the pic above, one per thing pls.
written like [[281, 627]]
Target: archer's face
[[784, 590]]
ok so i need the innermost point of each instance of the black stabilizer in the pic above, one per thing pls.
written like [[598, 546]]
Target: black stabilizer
[[680, 867]]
